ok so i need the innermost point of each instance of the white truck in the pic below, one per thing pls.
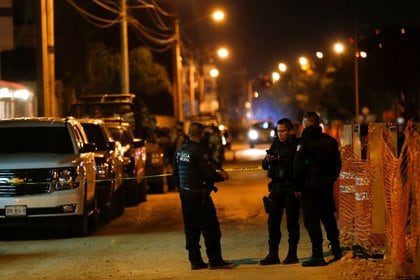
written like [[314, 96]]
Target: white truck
[[47, 173]]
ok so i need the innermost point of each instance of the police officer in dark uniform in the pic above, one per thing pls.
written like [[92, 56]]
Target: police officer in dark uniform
[[194, 174], [279, 163], [316, 166]]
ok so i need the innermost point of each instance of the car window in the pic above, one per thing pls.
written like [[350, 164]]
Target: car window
[[95, 135], [35, 140]]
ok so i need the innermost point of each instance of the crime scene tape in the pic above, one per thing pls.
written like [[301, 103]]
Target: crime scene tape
[[232, 169], [243, 168]]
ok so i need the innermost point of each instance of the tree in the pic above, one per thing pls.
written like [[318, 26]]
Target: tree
[[146, 76], [102, 69], [148, 79]]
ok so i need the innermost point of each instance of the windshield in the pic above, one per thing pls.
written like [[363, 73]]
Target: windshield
[[35, 140]]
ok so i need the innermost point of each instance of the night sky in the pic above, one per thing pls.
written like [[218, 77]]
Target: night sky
[[262, 32]]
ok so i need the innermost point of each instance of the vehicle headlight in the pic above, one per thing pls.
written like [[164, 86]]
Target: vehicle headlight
[[272, 133], [64, 179], [253, 134]]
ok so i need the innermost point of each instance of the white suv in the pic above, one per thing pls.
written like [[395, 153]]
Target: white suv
[[47, 170]]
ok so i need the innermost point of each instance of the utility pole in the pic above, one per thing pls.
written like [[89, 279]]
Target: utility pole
[[192, 86], [46, 60], [177, 62], [125, 74]]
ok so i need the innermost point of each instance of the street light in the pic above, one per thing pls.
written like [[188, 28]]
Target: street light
[[214, 73], [217, 16], [339, 48], [223, 52], [304, 63], [282, 67], [275, 76]]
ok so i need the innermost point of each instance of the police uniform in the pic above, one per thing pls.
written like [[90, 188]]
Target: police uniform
[[316, 167], [195, 176], [282, 198]]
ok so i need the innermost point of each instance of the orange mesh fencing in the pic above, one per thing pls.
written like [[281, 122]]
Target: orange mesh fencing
[[401, 184], [400, 181]]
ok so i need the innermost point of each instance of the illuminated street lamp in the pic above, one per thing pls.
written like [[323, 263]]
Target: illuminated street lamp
[[218, 15], [282, 67], [214, 73], [223, 52], [275, 76], [304, 63], [339, 48], [319, 54]]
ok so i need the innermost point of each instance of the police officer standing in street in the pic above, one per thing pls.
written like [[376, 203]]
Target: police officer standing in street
[[316, 166], [279, 163], [194, 174]]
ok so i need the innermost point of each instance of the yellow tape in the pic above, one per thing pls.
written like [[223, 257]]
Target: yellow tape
[[243, 168], [232, 169]]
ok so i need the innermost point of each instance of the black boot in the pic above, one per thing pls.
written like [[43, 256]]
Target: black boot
[[198, 265], [272, 257], [291, 255], [196, 260], [336, 250], [317, 258]]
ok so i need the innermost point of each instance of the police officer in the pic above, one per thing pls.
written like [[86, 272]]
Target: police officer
[[194, 174], [316, 166], [279, 162]]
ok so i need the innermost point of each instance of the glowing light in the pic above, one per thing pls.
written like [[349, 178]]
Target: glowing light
[[275, 76], [218, 15], [223, 52], [5, 93], [319, 54], [282, 67], [214, 73], [338, 48], [304, 63], [22, 94], [19, 93]]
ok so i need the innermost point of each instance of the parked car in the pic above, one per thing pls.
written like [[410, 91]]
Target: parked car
[[47, 172], [109, 158], [261, 132], [156, 173], [134, 170]]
